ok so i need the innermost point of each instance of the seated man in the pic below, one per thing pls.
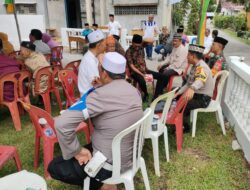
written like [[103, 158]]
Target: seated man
[[175, 64], [34, 61], [200, 84], [113, 107], [113, 45], [136, 61], [216, 60], [88, 69], [7, 65], [36, 38]]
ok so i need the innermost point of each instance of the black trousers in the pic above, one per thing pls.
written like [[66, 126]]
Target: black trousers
[[142, 83], [198, 101], [162, 78], [71, 172]]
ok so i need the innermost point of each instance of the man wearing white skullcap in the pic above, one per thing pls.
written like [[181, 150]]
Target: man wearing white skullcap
[[88, 69], [112, 107]]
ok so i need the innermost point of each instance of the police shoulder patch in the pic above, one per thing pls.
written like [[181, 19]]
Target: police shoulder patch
[[200, 74]]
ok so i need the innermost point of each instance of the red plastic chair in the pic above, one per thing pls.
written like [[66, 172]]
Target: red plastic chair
[[171, 79], [176, 118], [24, 86], [15, 55], [7, 153], [55, 84], [74, 65], [57, 53], [48, 57], [11, 78], [69, 83], [48, 141]]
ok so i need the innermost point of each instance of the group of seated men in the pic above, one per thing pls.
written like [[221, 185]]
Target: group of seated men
[[113, 104]]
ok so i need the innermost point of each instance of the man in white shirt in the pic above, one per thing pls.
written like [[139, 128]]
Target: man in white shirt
[[88, 70], [114, 26], [150, 28], [208, 41]]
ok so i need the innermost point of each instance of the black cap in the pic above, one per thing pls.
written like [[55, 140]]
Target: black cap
[[221, 40], [96, 25], [28, 45], [137, 39], [180, 30], [86, 24]]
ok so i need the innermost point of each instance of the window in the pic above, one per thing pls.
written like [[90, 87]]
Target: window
[[26, 8], [135, 10]]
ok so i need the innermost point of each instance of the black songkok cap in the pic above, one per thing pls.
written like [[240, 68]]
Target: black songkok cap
[[221, 40], [28, 45], [137, 39]]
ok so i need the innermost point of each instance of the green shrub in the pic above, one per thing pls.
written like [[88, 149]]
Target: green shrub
[[233, 22]]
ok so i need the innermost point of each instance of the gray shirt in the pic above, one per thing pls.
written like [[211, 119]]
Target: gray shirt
[[41, 47], [200, 79]]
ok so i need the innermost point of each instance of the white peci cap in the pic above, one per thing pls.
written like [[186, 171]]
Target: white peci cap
[[114, 63], [95, 36]]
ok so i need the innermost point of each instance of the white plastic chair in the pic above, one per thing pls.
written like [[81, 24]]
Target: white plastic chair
[[22, 180], [138, 162], [161, 128], [214, 105]]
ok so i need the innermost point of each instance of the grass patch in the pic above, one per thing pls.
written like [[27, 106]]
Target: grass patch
[[233, 34], [206, 162]]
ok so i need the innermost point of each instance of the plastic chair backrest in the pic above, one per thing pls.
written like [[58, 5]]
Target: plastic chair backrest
[[9, 78], [55, 71], [45, 71], [37, 113], [138, 129], [221, 76], [167, 97], [74, 65], [48, 57], [180, 108], [24, 83], [69, 83]]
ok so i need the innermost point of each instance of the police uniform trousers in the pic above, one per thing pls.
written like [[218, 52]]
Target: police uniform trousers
[[198, 101], [71, 172]]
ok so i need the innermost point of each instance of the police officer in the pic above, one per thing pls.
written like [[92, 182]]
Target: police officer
[[199, 87]]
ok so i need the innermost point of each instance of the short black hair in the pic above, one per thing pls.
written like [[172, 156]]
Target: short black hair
[[86, 24], [116, 37], [93, 45], [96, 25], [37, 34], [215, 33], [1, 45], [197, 54], [115, 76], [111, 15]]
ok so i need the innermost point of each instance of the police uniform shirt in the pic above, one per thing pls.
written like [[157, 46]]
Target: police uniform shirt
[[200, 79], [88, 70]]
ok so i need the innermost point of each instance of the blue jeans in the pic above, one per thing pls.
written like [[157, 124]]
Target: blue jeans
[[149, 50], [158, 48]]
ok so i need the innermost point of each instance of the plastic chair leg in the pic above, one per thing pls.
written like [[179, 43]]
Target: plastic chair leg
[[48, 155], [166, 143], [17, 161], [37, 148], [46, 102], [217, 117], [129, 184], [155, 145], [191, 116], [194, 116], [221, 121], [15, 115], [86, 183], [144, 174], [58, 98], [179, 134]]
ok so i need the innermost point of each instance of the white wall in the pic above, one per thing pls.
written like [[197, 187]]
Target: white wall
[[26, 23]]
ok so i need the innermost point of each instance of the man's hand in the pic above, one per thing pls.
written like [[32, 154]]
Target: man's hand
[[159, 67], [189, 94], [96, 82], [83, 156]]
